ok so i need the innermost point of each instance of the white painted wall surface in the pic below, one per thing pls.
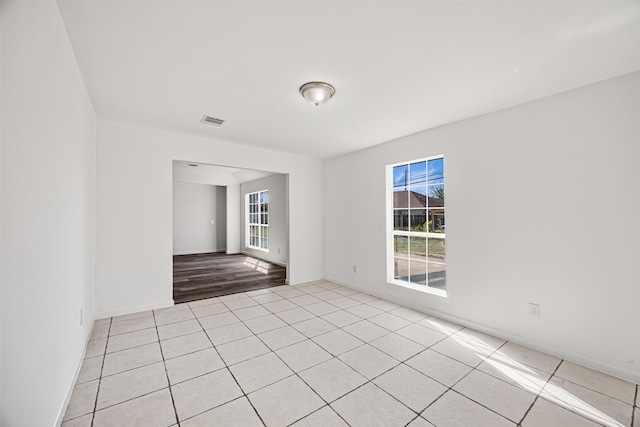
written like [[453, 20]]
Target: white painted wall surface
[[48, 213], [195, 206], [278, 230], [134, 210], [232, 191], [542, 206]]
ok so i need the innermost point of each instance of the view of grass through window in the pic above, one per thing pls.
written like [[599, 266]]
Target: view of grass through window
[[418, 233]]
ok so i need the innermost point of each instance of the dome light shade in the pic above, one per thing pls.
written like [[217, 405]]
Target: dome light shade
[[317, 93]]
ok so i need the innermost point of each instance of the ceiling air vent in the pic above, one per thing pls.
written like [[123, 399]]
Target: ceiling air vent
[[212, 121]]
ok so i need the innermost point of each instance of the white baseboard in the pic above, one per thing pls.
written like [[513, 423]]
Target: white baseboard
[[72, 383], [516, 339], [131, 310], [207, 251]]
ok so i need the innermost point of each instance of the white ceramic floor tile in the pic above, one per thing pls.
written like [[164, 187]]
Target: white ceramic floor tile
[[408, 314], [295, 316], [321, 308], [173, 317], [200, 394], [235, 413], [304, 299], [173, 330], [132, 325], [337, 342], [454, 410], [90, 370], [148, 315], [193, 365], [545, 414], [366, 331], [365, 311], [389, 321], [259, 372], [362, 297], [184, 344], [267, 298], [369, 406], [131, 339], [439, 367], [153, 409], [522, 376], [420, 422], [345, 291], [239, 303], [326, 295], [104, 321], [232, 297], [383, 305], [215, 320], [258, 292], [228, 333], [131, 384], [251, 312], [290, 293], [397, 346], [131, 358], [341, 318], [515, 355], [175, 307], [281, 337], [325, 417], [597, 381], [209, 309], [311, 289], [203, 302], [425, 336], [344, 302], [278, 306], [100, 331], [83, 421], [499, 396], [313, 327], [83, 399], [468, 352], [440, 325], [241, 350], [368, 361], [410, 387], [595, 406], [303, 355], [95, 348], [332, 379], [285, 402], [266, 323]]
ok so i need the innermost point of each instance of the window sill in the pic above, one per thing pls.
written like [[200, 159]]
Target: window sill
[[420, 288], [257, 249]]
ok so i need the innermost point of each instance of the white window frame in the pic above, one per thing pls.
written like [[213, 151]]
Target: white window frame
[[391, 232], [249, 224]]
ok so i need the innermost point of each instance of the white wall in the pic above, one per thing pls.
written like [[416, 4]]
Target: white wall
[[278, 230], [134, 204], [195, 206], [232, 203], [542, 206], [48, 211]]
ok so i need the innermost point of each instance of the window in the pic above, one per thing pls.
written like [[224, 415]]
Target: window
[[416, 225], [257, 214]]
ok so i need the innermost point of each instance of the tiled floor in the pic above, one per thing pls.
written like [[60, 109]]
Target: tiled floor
[[320, 354]]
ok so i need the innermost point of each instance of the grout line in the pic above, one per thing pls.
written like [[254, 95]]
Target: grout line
[[540, 393], [164, 363], [104, 357]]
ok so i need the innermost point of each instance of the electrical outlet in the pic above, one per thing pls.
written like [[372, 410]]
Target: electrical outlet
[[534, 309], [81, 316], [355, 269]]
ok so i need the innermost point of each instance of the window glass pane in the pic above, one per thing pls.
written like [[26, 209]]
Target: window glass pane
[[436, 171], [436, 220], [436, 195], [253, 230], [437, 276], [418, 175], [418, 270], [401, 269], [401, 178], [436, 250], [418, 248], [264, 197], [401, 246], [264, 231], [418, 219], [401, 220], [264, 243], [264, 219], [264, 207]]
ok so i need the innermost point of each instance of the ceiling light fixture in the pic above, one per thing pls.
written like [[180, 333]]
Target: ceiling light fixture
[[317, 93]]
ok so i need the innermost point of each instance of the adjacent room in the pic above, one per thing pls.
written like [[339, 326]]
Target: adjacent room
[[315, 213]]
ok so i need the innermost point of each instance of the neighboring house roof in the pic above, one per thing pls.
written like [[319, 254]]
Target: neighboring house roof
[[402, 199]]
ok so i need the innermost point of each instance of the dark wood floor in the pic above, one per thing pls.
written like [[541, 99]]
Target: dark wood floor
[[203, 276]]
